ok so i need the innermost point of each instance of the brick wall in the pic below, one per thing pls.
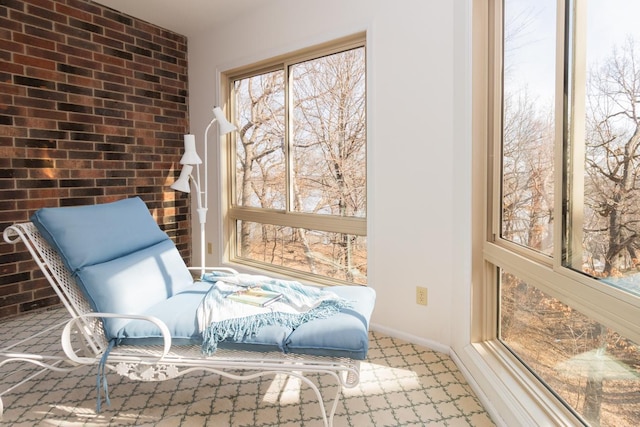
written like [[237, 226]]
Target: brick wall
[[93, 105]]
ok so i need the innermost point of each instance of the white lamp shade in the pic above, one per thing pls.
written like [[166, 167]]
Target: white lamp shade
[[190, 156], [224, 126], [182, 183]]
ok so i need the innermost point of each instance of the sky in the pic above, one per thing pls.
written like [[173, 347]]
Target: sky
[[530, 52]]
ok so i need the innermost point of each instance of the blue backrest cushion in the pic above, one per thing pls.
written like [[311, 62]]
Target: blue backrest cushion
[[123, 262], [87, 235], [134, 283]]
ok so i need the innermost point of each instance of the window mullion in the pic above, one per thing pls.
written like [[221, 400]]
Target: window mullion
[[561, 106], [495, 94], [575, 72], [288, 138]]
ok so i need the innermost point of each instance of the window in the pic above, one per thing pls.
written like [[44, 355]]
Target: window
[[297, 199], [563, 240]]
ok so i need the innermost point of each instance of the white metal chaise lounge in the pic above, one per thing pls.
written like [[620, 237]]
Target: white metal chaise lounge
[[134, 308]]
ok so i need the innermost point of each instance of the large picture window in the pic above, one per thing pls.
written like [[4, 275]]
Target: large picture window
[[298, 187], [563, 245]]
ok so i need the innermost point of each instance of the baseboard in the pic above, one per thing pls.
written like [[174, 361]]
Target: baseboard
[[394, 333], [480, 393]]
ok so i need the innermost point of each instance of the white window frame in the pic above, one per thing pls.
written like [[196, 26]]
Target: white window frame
[[232, 212], [512, 394]]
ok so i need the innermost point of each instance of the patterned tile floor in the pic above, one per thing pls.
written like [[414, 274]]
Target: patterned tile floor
[[401, 384]]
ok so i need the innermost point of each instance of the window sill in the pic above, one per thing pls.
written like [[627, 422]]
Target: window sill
[[509, 392]]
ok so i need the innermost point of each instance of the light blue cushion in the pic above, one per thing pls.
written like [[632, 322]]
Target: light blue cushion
[[342, 335], [123, 262], [179, 314], [134, 283], [87, 235]]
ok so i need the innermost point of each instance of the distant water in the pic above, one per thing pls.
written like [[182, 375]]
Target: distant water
[[629, 283]]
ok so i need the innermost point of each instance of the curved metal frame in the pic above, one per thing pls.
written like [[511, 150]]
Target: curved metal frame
[[83, 342]]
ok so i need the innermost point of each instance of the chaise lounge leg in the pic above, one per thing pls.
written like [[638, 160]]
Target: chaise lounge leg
[[37, 360], [327, 419]]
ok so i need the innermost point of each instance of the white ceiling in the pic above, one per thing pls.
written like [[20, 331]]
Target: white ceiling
[[186, 17]]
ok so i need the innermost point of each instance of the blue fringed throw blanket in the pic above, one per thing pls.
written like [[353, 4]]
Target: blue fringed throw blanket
[[220, 318]]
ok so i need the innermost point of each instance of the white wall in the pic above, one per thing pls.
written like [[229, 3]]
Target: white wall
[[415, 192]]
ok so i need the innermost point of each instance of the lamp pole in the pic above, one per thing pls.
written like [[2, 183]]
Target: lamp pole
[[191, 158]]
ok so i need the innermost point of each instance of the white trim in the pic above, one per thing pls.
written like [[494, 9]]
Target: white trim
[[510, 394], [394, 333], [290, 47], [487, 403]]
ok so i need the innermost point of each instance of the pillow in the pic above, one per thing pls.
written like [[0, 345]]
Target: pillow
[[122, 261], [87, 235], [133, 283]]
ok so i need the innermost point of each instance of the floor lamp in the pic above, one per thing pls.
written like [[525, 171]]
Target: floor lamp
[[189, 160]]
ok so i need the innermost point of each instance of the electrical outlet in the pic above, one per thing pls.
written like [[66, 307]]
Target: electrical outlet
[[421, 295], [209, 248]]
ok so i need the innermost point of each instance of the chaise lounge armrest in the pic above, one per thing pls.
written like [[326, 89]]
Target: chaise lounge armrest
[[67, 332]]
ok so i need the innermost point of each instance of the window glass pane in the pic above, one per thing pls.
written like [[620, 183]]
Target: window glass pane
[[334, 255], [299, 160], [527, 123], [603, 230], [593, 369], [260, 154], [329, 142]]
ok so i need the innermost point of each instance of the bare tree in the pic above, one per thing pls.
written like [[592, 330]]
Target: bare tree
[[319, 168], [613, 161], [259, 151], [612, 214], [329, 141], [527, 180]]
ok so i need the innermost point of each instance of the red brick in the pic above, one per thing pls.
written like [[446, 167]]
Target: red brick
[[32, 122], [116, 73], [71, 11], [26, 39], [35, 62], [108, 59], [119, 35], [47, 13], [9, 25], [54, 76], [11, 46], [44, 33], [87, 173], [49, 173], [45, 193], [46, 54], [84, 81], [96, 104], [109, 25], [47, 113]]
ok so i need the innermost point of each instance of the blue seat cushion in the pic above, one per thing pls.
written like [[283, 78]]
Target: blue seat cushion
[[342, 335], [179, 314]]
